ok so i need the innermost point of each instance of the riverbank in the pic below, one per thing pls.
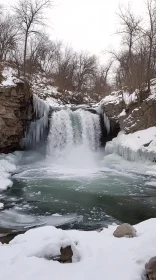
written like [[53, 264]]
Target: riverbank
[[96, 255]]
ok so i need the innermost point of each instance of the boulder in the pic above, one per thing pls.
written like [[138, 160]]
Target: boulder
[[150, 268], [125, 230], [65, 255], [138, 114]]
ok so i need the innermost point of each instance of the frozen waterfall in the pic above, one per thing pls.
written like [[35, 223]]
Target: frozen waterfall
[[37, 129]]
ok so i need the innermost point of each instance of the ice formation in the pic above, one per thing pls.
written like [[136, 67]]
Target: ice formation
[[38, 127], [140, 145]]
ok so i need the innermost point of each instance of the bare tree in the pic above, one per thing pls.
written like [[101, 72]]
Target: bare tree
[[130, 32], [8, 36], [86, 67], [29, 16], [150, 33]]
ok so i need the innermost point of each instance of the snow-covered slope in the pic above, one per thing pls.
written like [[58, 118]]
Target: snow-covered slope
[[43, 87], [96, 255]]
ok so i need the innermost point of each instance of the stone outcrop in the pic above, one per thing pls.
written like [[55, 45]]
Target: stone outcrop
[[151, 269], [65, 255], [125, 230], [16, 110], [137, 114]]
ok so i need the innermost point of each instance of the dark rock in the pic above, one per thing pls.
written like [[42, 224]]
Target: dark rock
[[65, 255], [150, 268]]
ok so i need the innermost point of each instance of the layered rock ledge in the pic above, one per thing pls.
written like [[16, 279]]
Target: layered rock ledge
[[16, 112]]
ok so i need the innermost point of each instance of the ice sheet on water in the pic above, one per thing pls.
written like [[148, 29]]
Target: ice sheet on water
[[14, 220]]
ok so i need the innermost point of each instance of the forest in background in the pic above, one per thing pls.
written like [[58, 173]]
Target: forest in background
[[26, 46]]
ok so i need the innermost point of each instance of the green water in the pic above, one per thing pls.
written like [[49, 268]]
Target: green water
[[113, 191]]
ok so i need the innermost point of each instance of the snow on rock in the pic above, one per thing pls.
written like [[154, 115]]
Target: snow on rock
[[9, 75], [117, 96], [45, 88], [45, 242], [140, 145], [96, 255]]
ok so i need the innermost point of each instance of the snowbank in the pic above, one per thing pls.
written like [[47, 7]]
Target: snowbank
[[140, 145], [96, 255], [7, 166]]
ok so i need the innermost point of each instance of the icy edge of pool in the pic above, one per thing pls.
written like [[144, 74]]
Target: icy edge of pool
[[137, 146], [7, 166]]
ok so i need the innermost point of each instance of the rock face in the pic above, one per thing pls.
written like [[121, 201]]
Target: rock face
[[151, 269], [125, 230], [133, 113], [139, 116], [64, 257], [16, 110]]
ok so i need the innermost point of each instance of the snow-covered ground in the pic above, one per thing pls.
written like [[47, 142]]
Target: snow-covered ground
[[140, 145], [96, 255]]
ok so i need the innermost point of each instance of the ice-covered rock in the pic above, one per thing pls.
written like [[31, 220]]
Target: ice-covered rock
[[140, 145]]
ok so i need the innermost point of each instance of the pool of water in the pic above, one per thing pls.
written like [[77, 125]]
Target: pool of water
[[73, 193]]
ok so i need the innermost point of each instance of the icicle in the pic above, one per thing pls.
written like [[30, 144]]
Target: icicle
[[37, 128], [106, 122]]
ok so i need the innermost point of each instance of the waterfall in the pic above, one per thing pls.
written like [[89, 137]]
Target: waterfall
[[69, 130], [65, 129]]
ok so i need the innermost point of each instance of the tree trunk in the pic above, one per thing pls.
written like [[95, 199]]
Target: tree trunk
[[25, 52]]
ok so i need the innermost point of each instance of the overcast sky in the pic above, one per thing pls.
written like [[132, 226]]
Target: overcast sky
[[87, 24]]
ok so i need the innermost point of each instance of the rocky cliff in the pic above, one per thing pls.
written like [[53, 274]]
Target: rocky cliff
[[132, 112], [15, 114]]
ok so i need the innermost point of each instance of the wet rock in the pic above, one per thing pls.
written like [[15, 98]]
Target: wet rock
[[151, 269], [125, 230], [65, 255]]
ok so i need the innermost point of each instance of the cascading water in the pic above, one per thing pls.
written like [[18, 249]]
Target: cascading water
[[74, 134], [69, 137]]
